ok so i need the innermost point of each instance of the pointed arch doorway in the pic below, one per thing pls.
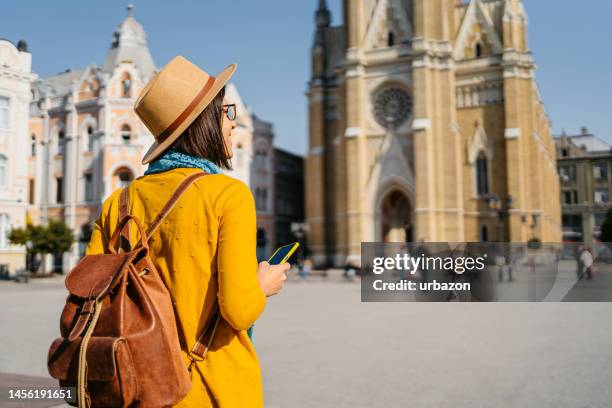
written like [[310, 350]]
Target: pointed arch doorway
[[396, 218]]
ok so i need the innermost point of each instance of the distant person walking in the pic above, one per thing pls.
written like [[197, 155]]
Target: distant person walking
[[587, 260], [306, 269]]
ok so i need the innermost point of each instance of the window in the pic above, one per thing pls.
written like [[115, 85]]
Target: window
[[478, 50], [261, 198], [391, 39], [484, 233], [570, 197], [61, 140], [126, 86], [3, 172], [126, 134], [261, 158], [31, 191], [482, 175], [565, 152], [124, 178], [601, 196], [33, 145], [600, 171], [5, 227], [59, 190], [567, 173], [5, 109], [90, 139], [88, 186]]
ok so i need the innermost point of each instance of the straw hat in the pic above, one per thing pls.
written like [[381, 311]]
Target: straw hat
[[174, 98]]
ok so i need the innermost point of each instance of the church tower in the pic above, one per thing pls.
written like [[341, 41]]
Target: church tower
[[426, 123]]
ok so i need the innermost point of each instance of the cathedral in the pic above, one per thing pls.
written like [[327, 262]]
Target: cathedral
[[425, 123]]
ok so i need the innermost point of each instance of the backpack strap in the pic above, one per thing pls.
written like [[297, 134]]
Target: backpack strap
[[124, 210], [172, 201]]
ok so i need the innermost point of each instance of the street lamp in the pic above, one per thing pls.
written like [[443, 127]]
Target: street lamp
[[502, 209]]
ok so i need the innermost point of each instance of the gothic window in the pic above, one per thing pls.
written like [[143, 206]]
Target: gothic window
[[3, 172], [391, 39], [392, 107], [5, 227], [483, 233], [478, 50], [126, 86], [4, 112], [33, 145], [482, 175], [126, 134]]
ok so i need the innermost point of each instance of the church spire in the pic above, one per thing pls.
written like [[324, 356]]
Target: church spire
[[323, 16]]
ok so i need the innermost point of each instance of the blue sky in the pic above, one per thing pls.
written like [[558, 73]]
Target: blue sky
[[270, 40]]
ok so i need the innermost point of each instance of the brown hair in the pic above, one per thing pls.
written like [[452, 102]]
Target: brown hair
[[204, 137]]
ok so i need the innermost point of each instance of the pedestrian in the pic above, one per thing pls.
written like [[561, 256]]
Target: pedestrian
[[579, 265], [352, 267], [306, 268], [205, 250], [587, 261]]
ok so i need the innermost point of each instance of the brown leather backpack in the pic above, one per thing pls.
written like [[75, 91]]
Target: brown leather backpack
[[119, 342]]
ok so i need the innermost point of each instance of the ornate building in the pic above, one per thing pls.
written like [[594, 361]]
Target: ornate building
[[426, 123], [585, 169], [15, 82], [85, 141]]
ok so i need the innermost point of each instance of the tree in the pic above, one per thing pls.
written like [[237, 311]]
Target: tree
[[56, 237], [606, 227]]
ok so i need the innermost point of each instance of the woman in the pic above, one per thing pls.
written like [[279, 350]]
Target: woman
[[205, 248]]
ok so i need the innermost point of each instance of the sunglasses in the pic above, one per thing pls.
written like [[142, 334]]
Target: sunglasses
[[230, 111]]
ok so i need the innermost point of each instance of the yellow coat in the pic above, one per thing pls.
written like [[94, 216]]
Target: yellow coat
[[204, 248]]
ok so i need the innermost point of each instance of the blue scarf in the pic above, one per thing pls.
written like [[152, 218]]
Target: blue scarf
[[172, 159]]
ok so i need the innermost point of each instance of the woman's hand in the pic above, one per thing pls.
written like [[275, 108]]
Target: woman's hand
[[272, 277]]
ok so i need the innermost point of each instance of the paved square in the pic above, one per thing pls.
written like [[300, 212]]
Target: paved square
[[319, 346]]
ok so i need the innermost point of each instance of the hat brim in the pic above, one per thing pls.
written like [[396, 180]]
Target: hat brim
[[220, 81]]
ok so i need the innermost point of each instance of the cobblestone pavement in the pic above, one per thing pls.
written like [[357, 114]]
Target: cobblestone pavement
[[319, 346]]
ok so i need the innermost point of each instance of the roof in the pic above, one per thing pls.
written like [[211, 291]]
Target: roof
[[591, 142], [61, 84]]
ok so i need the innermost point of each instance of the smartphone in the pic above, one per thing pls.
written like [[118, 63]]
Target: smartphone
[[283, 253]]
